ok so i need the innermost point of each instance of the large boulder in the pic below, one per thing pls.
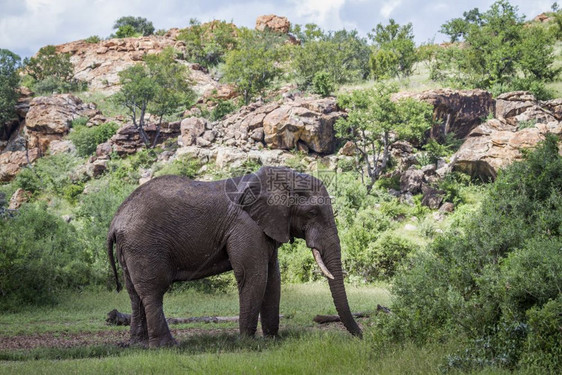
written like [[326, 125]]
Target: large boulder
[[496, 144], [12, 161], [273, 23], [191, 128], [291, 123], [457, 111], [50, 117], [519, 107]]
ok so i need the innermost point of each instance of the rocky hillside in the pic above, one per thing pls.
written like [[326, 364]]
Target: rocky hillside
[[494, 130]]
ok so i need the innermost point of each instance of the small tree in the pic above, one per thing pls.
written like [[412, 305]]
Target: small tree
[[343, 55], [159, 86], [9, 81], [131, 25], [394, 50], [255, 63], [207, 44], [457, 28], [51, 71], [374, 120]]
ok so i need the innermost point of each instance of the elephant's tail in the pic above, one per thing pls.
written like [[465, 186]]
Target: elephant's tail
[[110, 242]]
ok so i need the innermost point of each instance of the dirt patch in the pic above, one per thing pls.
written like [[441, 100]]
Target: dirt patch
[[70, 340]]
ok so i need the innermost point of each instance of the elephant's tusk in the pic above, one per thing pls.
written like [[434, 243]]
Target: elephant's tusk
[[323, 268]]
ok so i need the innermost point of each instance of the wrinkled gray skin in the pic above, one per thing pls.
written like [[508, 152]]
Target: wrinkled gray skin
[[175, 229]]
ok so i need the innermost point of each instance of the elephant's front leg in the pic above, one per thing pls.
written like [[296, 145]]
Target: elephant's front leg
[[249, 263], [269, 312]]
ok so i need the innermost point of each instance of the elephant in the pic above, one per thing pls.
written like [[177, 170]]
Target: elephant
[[173, 229]]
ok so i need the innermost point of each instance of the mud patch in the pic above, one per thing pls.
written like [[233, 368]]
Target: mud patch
[[71, 340]]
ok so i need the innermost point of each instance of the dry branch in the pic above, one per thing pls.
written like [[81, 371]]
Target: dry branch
[[114, 317]]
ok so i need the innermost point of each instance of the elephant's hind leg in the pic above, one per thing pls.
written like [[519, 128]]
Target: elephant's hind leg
[[150, 283], [158, 330], [139, 330]]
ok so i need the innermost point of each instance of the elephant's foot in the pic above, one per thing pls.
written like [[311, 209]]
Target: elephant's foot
[[138, 342], [158, 342]]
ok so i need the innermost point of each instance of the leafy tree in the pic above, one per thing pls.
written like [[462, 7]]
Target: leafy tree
[[373, 119], [207, 44], [343, 55], [394, 50], [51, 71], [129, 25], [457, 28], [49, 63], [499, 54], [311, 32], [127, 31], [159, 86], [9, 81], [255, 63]]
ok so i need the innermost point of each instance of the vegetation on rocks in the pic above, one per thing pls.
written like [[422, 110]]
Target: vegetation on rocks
[[9, 82]]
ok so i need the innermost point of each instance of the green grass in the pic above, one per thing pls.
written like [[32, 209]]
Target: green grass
[[302, 348]]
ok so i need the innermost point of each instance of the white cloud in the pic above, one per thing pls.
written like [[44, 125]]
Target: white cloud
[[325, 13], [389, 6]]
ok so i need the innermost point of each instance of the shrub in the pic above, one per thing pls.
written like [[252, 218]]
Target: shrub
[[133, 26], [86, 139], [51, 174], [94, 214], [343, 55], [543, 349], [52, 72], [322, 84], [182, 166], [208, 43], [40, 256], [93, 39], [223, 108], [493, 270]]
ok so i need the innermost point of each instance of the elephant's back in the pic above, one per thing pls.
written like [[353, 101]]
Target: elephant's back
[[166, 200]]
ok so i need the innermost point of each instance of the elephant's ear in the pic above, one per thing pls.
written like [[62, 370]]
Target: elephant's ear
[[267, 201]]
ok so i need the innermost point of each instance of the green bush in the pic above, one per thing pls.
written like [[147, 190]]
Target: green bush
[[40, 257], [52, 72], [543, 349], [492, 270], [93, 39], [50, 174], [94, 214], [223, 108], [322, 84], [182, 166], [86, 139]]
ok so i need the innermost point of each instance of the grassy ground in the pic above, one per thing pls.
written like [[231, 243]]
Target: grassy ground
[[303, 346]]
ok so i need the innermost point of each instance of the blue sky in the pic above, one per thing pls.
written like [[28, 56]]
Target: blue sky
[[27, 25]]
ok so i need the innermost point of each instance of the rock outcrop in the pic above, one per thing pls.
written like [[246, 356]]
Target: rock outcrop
[[127, 140], [11, 162], [49, 118], [457, 111], [99, 64], [521, 123], [307, 123], [273, 23]]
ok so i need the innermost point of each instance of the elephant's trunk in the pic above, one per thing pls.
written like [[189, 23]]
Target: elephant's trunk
[[332, 259]]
